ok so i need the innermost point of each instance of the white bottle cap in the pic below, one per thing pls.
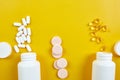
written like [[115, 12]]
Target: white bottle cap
[[5, 49], [104, 56], [28, 56]]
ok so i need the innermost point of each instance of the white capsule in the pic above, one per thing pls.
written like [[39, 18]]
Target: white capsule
[[16, 49], [62, 73], [17, 24], [21, 28], [62, 63], [25, 31], [21, 40], [18, 40], [117, 48], [19, 33], [24, 22], [29, 31], [28, 39], [57, 49], [24, 37], [28, 19], [21, 45], [28, 48], [56, 40]]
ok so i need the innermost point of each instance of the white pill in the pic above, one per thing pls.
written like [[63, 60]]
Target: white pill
[[25, 31], [24, 22], [19, 33], [29, 31], [55, 65], [5, 49], [117, 48], [28, 19], [62, 73], [18, 40], [62, 63], [21, 28], [56, 40], [24, 37], [21, 45], [57, 56], [28, 48], [21, 40], [28, 39], [57, 49], [17, 24], [16, 49]]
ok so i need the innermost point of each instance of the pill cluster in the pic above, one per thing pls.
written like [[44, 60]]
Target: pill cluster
[[97, 26], [61, 63], [23, 37]]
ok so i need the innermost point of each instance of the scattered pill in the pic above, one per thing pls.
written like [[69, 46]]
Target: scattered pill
[[28, 39], [92, 34], [25, 31], [102, 48], [57, 49], [18, 40], [93, 39], [90, 24], [21, 28], [5, 49], [16, 49], [19, 33], [98, 40], [24, 21], [17, 24], [28, 48], [62, 73], [29, 31], [92, 28], [56, 40], [28, 19], [117, 48], [55, 65], [104, 28], [21, 45], [24, 37], [21, 39], [62, 63], [57, 56]]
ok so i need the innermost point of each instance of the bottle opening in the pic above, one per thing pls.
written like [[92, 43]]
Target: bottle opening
[[28, 56], [104, 56]]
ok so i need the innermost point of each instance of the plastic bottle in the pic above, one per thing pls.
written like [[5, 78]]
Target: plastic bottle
[[29, 67], [103, 68]]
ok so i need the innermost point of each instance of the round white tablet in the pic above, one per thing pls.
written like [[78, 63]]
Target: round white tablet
[[57, 49], [5, 49], [56, 40], [55, 65], [117, 48], [62, 63], [62, 73], [57, 55]]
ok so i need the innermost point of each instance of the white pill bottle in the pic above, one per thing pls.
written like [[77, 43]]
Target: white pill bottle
[[29, 67], [103, 68]]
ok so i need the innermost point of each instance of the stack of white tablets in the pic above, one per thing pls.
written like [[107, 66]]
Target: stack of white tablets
[[117, 48], [23, 37], [61, 63]]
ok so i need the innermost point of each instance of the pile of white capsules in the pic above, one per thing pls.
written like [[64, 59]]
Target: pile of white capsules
[[23, 37], [61, 63]]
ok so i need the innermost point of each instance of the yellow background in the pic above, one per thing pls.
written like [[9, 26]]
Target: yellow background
[[66, 18]]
